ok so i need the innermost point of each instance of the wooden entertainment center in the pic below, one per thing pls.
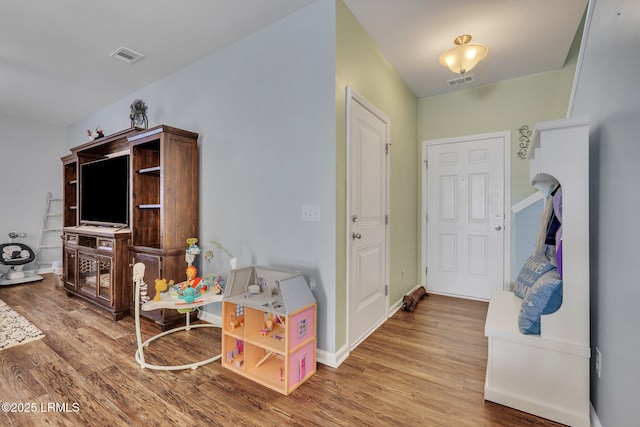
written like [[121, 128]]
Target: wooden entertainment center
[[163, 211]]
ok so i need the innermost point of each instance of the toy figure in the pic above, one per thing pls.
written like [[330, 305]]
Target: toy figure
[[161, 286], [95, 134], [218, 285], [192, 251], [189, 295]]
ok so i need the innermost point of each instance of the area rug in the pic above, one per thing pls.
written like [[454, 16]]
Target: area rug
[[15, 329]]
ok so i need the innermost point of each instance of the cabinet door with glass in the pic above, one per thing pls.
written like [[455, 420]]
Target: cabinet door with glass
[[87, 274], [70, 259], [105, 279]]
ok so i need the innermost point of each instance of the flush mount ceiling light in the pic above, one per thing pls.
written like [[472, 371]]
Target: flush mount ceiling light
[[464, 56]]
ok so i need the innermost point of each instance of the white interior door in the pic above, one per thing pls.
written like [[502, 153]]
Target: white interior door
[[465, 238], [368, 148]]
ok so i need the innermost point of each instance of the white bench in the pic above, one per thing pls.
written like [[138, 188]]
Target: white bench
[[533, 373], [548, 374]]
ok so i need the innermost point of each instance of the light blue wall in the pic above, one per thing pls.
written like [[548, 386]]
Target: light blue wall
[[264, 108], [608, 93], [30, 163]]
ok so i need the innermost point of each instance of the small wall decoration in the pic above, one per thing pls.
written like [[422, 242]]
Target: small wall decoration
[[525, 140], [95, 134], [138, 114]]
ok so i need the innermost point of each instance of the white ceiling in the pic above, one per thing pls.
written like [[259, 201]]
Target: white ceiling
[[55, 65], [524, 36]]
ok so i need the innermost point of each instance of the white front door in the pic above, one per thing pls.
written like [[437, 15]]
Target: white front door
[[465, 240], [367, 145]]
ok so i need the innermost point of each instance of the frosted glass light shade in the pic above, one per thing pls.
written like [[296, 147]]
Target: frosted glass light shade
[[464, 56]]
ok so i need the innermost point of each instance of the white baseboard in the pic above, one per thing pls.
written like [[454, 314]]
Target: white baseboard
[[335, 359], [332, 360], [210, 317], [398, 304], [595, 422]]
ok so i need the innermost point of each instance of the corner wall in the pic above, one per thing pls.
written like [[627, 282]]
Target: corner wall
[[360, 65], [31, 168], [265, 113], [607, 92]]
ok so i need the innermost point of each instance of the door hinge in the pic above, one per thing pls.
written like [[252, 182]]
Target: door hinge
[[386, 290], [387, 147], [426, 270], [386, 219]]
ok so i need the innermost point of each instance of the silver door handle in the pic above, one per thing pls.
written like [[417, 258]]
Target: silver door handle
[[498, 227], [354, 218], [356, 236]]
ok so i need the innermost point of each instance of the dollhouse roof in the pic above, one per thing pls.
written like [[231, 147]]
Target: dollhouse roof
[[279, 291]]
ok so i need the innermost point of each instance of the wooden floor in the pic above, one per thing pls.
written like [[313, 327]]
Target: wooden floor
[[424, 368]]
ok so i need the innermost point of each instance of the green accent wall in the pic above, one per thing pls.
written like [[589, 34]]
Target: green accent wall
[[503, 106], [361, 66], [507, 105]]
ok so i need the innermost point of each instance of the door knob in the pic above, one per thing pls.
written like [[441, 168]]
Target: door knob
[[498, 227], [356, 236], [354, 218]]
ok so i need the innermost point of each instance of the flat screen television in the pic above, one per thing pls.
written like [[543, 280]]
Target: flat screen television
[[104, 192]]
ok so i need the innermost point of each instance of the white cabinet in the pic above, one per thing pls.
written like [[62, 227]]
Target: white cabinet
[[548, 374]]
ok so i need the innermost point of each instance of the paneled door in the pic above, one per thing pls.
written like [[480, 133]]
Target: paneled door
[[368, 156], [465, 240]]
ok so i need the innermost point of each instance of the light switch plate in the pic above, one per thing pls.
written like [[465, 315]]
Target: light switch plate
[[311, 213]]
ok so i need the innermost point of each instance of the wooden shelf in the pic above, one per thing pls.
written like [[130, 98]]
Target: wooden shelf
[[165, 161], [164, 166], [269, 340], [151, 170], [237, 332]]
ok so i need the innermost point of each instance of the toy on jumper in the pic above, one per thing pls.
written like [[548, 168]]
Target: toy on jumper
[[161, 286], [209, 255], [192, 251], [215, 281], [192, 288]]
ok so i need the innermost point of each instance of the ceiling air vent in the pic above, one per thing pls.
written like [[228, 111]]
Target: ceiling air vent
[[462, 80], [126, 55]]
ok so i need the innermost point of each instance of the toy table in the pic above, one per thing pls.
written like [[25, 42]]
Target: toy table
[[167, 301]]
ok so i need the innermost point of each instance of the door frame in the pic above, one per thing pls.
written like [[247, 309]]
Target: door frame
[[349, 95], [506, 137]]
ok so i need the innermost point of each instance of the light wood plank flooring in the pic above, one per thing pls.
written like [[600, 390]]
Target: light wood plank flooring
[[424, 368]]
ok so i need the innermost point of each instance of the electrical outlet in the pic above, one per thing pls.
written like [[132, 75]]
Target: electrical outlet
[[598, 362]]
